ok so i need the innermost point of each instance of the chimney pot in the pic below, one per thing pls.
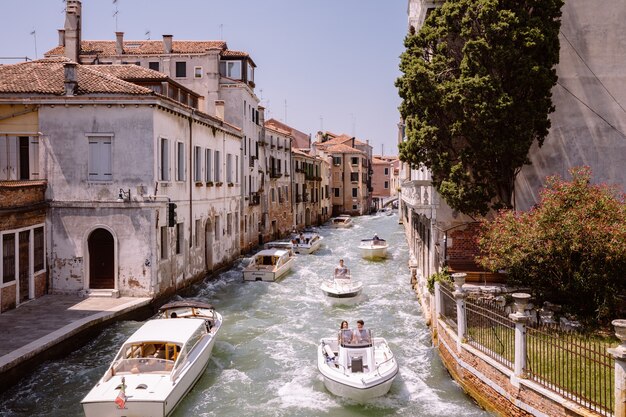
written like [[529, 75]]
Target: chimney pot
[[61, 37], [71, 80], [119, 43], [219, 109], [167, 44]]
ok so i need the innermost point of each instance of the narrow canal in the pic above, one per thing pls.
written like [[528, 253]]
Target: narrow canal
[[264, 360]]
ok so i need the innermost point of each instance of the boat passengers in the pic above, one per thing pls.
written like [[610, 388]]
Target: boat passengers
[[341, 270]]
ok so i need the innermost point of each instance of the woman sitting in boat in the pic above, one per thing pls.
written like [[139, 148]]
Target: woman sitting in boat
[[345, 334]]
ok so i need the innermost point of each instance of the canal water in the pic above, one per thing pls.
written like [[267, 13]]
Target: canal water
[[264, 360]]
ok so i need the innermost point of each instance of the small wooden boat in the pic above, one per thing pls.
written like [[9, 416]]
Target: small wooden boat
[[158, 364], [356, 368], [268, 265]]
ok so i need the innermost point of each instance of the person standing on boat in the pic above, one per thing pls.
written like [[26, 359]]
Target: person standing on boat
[[345, 334], [341, 270], [361, 335]]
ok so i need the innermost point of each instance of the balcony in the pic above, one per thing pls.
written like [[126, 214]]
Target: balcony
[[275, 174]]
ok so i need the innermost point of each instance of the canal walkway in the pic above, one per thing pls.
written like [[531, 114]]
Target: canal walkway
[[41, 328]]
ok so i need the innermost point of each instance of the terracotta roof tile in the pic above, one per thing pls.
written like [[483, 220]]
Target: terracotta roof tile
[[47, 77], [341, 148], [141, 47], [129, 72]]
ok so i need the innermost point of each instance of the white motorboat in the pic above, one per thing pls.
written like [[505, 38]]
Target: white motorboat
[[268, 265], [279, 244], [359, 370], [373, 248], [340, 287], [341, 221], [158, 364], [306, 242]]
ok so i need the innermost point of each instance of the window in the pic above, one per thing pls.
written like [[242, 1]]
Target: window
[[355, 207], [250, 72], [38, 254], [209, 168], [217, 170], [218, 230], [164, 236], [386, 185], [273, 196], [336, 192], [198, 164], [197, 72], [180, 166], [237, 169], [100, 158], [198, 232], [336, 160], [355, 192], [179, 238], [8, 258], [231, 69], [236, 222], [181, 69], [154, 66], [355, 160], [386, 171], [19, 158], [229, 224], [229, 168], [354, 176], [164, 169]]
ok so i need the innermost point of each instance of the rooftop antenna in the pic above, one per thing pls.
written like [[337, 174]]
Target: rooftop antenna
[[64, 6], [115, 13], [147, 34], [261, 94], [34, 34]]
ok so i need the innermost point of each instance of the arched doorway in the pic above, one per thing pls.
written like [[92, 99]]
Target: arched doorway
[[101, 260], [208, 246]]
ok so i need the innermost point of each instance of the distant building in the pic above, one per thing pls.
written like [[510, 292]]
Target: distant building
[[382, 180], [278, 151]]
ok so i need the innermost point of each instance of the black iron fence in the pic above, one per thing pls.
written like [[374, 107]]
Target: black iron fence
[[576, 366], [448, 305], [490, 330]]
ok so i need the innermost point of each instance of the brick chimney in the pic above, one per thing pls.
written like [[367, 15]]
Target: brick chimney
[[119, 43], [167, 44], [61, 37], [73, 29], [71, 78]]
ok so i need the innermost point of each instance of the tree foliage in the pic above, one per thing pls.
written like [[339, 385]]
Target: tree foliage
[[476, 95], [570, 249]]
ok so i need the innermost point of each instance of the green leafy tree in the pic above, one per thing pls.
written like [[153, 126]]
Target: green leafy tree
[[570, 249], [476, 95]]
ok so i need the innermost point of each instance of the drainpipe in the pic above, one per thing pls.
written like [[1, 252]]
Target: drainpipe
[[191, 179]]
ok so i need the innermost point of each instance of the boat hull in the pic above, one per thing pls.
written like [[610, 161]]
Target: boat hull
[[373, 251], [267, 275], [340, 293], [307, 249], [360, 394]]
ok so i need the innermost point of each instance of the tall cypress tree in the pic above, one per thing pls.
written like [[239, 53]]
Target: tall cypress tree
[[476, 90]]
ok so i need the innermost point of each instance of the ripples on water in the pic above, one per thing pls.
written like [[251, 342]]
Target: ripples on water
[[264, 360]]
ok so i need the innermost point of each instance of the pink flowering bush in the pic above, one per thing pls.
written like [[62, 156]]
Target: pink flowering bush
[[570, 249]]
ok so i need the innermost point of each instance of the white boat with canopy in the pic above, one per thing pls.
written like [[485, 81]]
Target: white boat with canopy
[[341, 221], [158, 364], [268, 265], [359, 368]]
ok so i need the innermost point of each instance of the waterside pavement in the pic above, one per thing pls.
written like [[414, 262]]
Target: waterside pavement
[[48, 325]]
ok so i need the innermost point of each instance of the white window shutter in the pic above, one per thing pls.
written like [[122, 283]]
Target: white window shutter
[[34, 158], [93, 160]]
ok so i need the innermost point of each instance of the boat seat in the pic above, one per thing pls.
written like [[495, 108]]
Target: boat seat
[[356, 364]]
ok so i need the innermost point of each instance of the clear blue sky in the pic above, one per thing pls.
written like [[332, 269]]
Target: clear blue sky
[[333, 62]]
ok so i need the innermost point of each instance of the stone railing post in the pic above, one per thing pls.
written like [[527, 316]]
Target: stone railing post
[[437, 301], [619, 353], [461, 318], [521, 318]]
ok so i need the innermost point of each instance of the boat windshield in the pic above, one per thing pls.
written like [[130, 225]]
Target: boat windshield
[[342, 273], [266, 260], [149, 357], [355, 338]]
